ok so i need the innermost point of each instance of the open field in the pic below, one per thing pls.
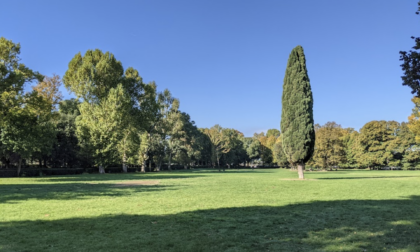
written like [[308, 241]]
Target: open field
[[204, 210]]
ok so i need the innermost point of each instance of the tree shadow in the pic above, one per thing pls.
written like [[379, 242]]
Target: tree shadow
[[373, 177], [117, 176], [347, 225], [14, 193], [230, 170]]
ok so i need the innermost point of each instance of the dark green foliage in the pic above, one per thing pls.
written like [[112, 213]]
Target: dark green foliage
[[411, 65], [205, 148], [189, 150], [252, 148], [297, 124], [25, 127], [69, 107], [67, 151]]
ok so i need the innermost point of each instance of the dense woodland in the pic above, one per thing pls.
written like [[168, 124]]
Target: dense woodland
[[117, 120]]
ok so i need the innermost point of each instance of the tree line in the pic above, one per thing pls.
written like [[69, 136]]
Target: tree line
[[117, 119]]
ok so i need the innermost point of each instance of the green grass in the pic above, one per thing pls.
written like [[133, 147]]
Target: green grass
[[204, 210]]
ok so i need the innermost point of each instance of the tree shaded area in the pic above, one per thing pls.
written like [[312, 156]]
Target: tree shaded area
[[345, 225], [70, 191]]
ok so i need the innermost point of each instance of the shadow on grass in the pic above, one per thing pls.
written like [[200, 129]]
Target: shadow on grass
[[373, 177], [348, 225], [118, 176], [231, 170], [179, 174], [14, 193]]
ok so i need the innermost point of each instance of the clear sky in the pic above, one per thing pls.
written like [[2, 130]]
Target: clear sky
[[225, 59]]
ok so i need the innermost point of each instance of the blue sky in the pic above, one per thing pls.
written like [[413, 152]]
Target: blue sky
[[225, 60]]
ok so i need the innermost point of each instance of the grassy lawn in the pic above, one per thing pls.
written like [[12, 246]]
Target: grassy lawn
[[204, 210]]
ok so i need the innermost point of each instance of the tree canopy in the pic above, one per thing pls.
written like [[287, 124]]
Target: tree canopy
[[119, 122]]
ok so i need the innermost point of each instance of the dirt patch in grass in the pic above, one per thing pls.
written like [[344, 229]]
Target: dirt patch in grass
[[298, 179], [137, 183]]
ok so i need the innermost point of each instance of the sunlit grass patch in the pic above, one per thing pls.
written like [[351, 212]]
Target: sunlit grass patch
[[206, 210]]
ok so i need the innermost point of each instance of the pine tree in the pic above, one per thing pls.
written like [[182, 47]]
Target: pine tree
[[297, 123]]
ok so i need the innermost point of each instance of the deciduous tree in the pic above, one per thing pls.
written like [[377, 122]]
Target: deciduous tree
[[329, 145], [49, 89], [278, 153], [103, 125], [93, 75], [374, 142], [219, 143], [411, 65], [23, 117]]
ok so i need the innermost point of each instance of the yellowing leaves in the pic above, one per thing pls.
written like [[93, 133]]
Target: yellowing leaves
[[49, 89], [414, 119]]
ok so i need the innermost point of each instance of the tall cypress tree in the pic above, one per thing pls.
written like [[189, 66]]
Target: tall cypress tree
[[297, 123]]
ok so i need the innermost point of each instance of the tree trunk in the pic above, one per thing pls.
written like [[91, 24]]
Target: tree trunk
[[228, 166], [159, 165], [124, 166], [169, 161], [19, 166], [301, 168], [143, 166], [101, 169], [150, 165], [185, 166]]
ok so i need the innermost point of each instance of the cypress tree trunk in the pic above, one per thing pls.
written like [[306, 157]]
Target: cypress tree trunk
[[297, 123], [301, 168]]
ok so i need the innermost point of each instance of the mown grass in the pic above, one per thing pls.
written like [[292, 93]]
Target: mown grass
[[204, 210]]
